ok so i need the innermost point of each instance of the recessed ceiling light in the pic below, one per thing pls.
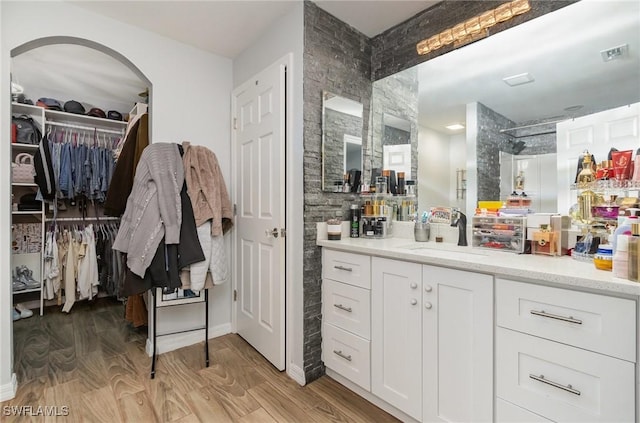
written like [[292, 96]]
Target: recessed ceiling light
[[455, 126], [520, 79]]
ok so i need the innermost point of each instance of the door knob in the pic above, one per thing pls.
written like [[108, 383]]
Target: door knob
[[413, 285], [274, 232], [414, 301], [427, 305], [427, 288]]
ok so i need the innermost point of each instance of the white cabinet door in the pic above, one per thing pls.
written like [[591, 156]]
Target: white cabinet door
[[396, 331], [458, 345]]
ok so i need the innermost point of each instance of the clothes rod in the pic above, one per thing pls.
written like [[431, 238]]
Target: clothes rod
[[86, 128], [533, 125], [77, 219]]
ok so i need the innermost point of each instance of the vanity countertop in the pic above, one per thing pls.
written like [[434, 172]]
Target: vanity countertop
[[564, 271]]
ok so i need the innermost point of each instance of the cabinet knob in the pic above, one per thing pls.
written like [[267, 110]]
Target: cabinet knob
[[414, 301], [428, 305], [413, 285], [428, 288]]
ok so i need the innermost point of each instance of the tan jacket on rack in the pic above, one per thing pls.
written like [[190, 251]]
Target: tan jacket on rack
[[206, 188]]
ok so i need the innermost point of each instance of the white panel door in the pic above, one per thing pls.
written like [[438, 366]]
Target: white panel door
[[597, 133], [258, 148], [458, 345], [396, 333]]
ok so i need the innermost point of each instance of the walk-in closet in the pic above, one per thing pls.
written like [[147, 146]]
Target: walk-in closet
[[73, 108]]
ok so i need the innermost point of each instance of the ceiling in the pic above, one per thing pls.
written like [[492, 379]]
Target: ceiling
[[562, 55], [226, 28]]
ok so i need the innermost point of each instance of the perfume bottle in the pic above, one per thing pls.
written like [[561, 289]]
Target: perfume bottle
[[587, 174]]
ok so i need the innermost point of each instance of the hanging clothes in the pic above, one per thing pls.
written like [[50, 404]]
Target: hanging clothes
[[153, 208], [212, 211]]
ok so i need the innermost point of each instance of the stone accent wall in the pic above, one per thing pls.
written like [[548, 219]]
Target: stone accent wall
[[490, 142], [395, 49], [396, 95], [395, 136], [337, 58], [538, 139]]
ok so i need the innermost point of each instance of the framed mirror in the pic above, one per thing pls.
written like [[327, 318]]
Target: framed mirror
[[342, 143]]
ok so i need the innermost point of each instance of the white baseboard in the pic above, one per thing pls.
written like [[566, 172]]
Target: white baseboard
[[370, 397], [296, 373], [179, 340], [8, 390]]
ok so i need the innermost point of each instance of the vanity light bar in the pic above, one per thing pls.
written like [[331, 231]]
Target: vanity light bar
[[474, 28]]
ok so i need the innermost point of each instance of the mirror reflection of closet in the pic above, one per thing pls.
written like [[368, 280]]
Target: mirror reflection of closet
[[342, 150]]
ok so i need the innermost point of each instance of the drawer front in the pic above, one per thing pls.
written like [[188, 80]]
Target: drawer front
[[563, 383], [510, 413], [347, 307], [354, 269], [595, 322], [347, 354]]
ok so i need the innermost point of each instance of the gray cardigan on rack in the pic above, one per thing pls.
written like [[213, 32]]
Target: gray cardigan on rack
[[153, 207]]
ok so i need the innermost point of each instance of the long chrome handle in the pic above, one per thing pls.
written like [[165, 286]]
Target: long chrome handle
[[567, 388], [341, 307], [348, 269], [569, 319], [339, 353]]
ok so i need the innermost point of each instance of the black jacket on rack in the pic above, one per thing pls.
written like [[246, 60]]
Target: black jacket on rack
[[164, 271], [45, 175]]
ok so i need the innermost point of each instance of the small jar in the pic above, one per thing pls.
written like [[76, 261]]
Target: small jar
[[603, 258]]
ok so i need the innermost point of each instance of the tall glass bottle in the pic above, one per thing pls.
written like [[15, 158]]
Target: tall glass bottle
[[586, 175], [634, 253]]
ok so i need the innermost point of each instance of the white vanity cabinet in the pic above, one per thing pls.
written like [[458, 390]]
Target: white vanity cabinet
[[457, 345], [564, 355], [346, 311], [396, 334]]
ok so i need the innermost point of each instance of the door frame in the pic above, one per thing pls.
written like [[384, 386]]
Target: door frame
[[289, 213]]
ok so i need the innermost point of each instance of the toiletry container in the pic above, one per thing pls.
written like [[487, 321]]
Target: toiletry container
[[421, 231], [624, 228], [621, 257], [603, 258], [354, 224]]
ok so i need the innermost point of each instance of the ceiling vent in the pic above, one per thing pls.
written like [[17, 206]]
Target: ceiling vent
[[520, 79], [614, 53]]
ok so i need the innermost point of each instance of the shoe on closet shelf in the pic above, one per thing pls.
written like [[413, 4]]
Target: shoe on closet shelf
[[24, 311], [17, 284], [25, 275], [16, 315]]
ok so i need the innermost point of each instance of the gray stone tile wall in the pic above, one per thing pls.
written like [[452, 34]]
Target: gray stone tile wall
[[333, 148], [395, 49], [337, 58], [490, 141]]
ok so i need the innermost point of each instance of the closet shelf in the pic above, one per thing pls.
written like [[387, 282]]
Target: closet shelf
[[85, 128], [26, 291], [71, 118], [27, 213]]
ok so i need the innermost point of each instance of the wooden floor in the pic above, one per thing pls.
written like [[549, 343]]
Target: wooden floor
[[92, 362]]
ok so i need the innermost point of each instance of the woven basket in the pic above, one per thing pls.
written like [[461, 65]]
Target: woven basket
[[22, 168]]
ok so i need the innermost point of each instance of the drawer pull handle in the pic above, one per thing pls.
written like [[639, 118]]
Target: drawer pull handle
[[341, 307], [569, 319], [567, 388], [348, 269], [340, 354]]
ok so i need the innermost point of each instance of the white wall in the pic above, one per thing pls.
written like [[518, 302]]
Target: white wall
[[190, 101], [434, 172], [287, 36]]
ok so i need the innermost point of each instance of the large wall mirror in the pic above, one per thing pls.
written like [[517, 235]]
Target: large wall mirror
[[507, 92], [342, 143]]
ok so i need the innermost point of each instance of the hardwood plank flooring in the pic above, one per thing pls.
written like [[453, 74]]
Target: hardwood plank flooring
[[94, 363]]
